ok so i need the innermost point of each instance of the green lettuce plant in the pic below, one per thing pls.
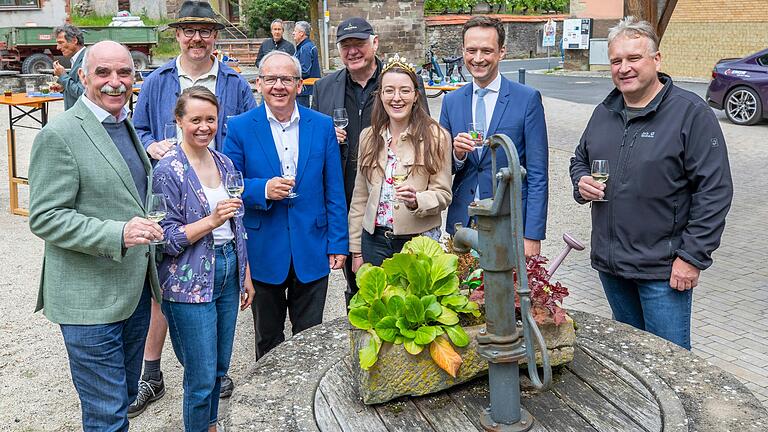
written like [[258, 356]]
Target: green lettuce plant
[[412, 299]]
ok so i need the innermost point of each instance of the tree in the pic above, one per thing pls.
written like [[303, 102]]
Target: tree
[[261, 13]]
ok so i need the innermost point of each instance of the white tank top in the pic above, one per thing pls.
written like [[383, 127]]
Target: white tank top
[[223, 233]]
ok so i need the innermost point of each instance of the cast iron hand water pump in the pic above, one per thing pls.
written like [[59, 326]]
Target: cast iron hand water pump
[[499, 242]]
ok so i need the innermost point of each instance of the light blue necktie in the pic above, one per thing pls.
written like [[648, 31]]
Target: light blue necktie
[[480, 114]]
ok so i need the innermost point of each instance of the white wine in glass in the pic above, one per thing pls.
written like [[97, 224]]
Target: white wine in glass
[[235, 186], [399, 176], [600, 172], [289, 171], [157, 209], [170, 133], [340, 118]]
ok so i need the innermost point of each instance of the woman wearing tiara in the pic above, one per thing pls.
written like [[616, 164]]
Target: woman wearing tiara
[[404, 171]]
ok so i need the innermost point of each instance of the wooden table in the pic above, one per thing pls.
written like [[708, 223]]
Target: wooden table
[[621, 379], [19, 107], [593, 393], [442, 88]]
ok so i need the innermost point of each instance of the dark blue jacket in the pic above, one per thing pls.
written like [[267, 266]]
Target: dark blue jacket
[[158, 95], [306, 52], [518, 114]]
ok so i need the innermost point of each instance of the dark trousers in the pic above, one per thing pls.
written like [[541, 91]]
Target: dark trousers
[[303, 301], [381, 245], [105, 362], [350, 276], [303, 100]]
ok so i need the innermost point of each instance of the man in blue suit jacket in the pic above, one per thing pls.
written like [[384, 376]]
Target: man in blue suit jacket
[[505, 107], [292, 242]]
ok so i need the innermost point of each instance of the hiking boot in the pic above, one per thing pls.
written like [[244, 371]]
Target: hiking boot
[[149, 391], [226, 387]]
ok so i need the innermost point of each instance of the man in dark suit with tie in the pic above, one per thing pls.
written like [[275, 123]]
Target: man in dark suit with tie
[[69, 40], [501, 107]]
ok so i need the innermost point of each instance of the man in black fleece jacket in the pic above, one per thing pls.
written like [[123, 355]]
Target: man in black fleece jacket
[[669, 191]]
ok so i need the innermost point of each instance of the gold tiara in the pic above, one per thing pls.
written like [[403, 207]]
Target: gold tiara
[[397, 61]]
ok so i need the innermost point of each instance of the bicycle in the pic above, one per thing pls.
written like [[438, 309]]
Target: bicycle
[[433, 74]]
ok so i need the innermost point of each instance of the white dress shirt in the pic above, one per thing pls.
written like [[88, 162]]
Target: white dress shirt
[[490, 103], [101, 114], [286, 136]]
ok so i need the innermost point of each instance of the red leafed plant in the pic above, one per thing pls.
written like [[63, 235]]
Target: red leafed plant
[[546, 297]]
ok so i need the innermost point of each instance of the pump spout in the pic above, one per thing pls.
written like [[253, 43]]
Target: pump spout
[[464, 240]]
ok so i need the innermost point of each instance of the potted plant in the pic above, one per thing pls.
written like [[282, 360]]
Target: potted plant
[[414, 327]]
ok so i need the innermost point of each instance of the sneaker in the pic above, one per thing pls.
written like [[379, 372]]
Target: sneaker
[[226, 387], [149, 391]]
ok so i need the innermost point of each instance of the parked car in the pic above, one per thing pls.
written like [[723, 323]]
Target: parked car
[[740, 88]]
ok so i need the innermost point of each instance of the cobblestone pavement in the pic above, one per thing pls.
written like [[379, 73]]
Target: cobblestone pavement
[[730, 325]]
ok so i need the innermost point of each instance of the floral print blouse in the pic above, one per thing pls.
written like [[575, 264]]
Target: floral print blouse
[[186, 270], [387, 200]]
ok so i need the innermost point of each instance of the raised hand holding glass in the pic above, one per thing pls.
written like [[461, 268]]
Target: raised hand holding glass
[[235, 185]]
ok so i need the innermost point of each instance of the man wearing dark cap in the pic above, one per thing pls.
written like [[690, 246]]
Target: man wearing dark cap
[[196, 32], [352, 88]]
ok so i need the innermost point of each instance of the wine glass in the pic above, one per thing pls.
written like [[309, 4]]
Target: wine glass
[[477, 132], [340, 118], [157, 208], [289, 171], [170, 133], [399, 176], [235, 186], [600, 172]]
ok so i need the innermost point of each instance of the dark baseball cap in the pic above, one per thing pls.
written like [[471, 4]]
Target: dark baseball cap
[[355, 27]]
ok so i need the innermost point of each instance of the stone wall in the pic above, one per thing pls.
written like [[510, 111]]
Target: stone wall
[[523, 35], [152, 8], [52, 13], [703, 31], [398, 23]]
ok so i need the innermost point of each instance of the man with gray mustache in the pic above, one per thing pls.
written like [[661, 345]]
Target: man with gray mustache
[[88, 180]]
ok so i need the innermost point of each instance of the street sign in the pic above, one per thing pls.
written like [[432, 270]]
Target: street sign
[[550, 29], [576, 33]]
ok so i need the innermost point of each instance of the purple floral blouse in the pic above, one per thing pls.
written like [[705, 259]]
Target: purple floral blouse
[[186, 269]]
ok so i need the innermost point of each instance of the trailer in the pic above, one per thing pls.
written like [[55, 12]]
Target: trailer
[[33, 49]]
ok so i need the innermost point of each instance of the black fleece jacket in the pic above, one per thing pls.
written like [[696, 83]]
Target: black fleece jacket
[[669, 188]]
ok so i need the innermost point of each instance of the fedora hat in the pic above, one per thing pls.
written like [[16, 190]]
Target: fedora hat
[[196, 12]]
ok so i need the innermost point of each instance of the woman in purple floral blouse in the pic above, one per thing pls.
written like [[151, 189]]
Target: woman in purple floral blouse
[[204, 270]]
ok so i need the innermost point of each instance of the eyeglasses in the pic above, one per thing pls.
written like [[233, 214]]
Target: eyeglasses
[[286, 80], [204, 33], [390, 92]]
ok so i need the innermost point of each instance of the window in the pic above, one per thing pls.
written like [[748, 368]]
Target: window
[[19, 4], [763, 60]]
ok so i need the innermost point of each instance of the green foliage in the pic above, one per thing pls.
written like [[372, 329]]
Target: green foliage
[[412, 299], [166, 47], [497, 6], [260, 13]]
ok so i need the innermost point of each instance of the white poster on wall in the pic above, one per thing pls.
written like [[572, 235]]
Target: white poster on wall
[[576, 33], [550, 29]]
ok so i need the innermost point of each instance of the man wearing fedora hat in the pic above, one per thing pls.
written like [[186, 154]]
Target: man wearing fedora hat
[[352, 88], [196, 32]]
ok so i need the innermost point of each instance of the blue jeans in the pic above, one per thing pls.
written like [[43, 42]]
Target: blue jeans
[[651, 305], [105, 362], [202, 335]]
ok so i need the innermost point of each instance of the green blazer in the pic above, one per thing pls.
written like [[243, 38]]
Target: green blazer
[[81, 196]]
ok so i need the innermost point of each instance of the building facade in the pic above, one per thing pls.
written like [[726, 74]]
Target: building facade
[[701, 32]]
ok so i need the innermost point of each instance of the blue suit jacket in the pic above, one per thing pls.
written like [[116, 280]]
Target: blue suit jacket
[[305, 229], [518, 114]]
